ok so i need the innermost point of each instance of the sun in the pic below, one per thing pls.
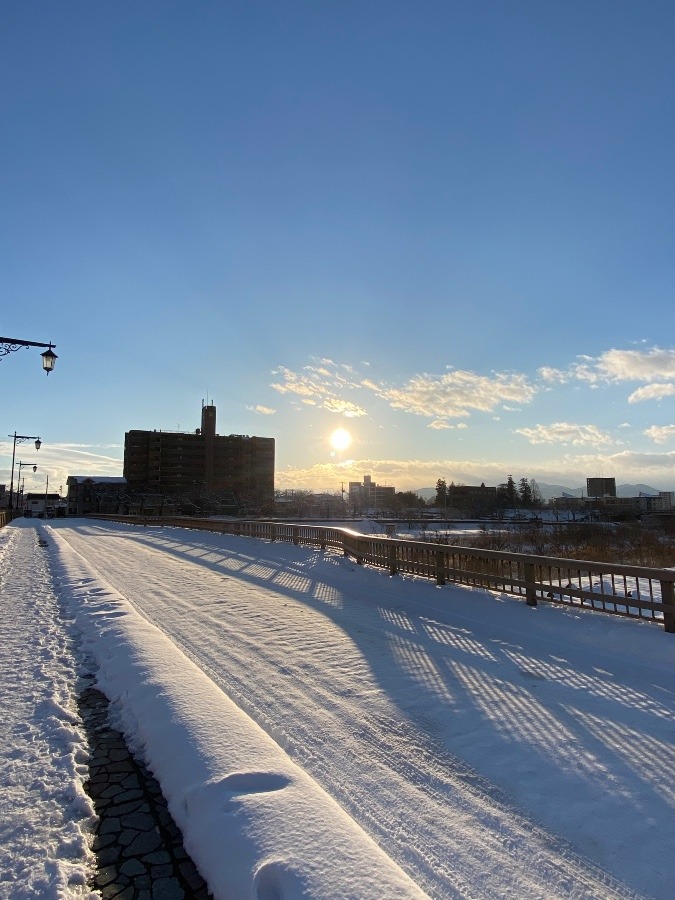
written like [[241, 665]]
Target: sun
[[340, 439]]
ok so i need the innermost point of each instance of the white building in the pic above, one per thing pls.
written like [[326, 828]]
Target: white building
[[370, 497]]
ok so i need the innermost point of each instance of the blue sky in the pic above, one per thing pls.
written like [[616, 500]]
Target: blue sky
[[445, 227]]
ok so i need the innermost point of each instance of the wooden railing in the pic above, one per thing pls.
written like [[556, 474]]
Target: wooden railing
[[634, 591], [5, 517]]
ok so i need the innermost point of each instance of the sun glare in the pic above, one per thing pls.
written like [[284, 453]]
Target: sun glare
[[340, 439]]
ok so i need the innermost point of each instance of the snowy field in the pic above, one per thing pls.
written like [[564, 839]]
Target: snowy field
[[324, 730]]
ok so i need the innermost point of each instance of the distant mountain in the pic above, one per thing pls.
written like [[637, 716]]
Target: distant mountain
[[634, 490], [549, 491]]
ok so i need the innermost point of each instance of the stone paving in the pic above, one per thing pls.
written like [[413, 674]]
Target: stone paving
[[138, 846]]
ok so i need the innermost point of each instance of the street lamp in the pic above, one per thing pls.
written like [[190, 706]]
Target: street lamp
[[10, 345], [18, 481], [18, 439]]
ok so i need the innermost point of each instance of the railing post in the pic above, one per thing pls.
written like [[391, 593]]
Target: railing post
[[393, 568], [668, 602], [296, 534], [530, 591], [440, 567]]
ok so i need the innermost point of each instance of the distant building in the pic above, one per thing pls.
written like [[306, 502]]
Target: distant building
[[368, 496], [612, 507], [644, 503], [96, 494], [470, 499], [601, 487], [201, 470], [42, 504]]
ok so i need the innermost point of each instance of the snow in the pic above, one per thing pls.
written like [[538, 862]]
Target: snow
[[324, 730], [44, 812]]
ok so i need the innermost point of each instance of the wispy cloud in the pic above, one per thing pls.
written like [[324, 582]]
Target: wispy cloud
[[616, 366], [58, 461], [455, 394], [585, 370], [344, 408], [565, 433], [262, 410], [322, 385], [628, 464], [660, 434], [637, 365], [441, 425], [302, 383], [652, 392], [452, 395]]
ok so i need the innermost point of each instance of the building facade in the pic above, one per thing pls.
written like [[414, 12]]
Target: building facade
[[601, 487], [367, 496], [96, 494], [471, 500], [42, 505], [201, 471], [611, 507]]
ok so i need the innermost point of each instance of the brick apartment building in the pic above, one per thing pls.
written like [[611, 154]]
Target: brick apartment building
[[201, 469]]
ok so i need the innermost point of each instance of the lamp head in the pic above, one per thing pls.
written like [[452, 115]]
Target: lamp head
[[38, 444], [48, 359]]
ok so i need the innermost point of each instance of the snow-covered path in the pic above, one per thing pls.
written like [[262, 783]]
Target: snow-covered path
[[490, 749], [43, 809]]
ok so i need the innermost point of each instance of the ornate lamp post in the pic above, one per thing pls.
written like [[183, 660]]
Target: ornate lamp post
[[18, 439], [10, 345]]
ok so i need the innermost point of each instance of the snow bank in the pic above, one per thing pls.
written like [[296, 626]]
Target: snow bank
[[256, 825], [45, 814]]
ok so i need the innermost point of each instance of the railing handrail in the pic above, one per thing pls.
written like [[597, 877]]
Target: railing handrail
[[514, 573], [556, 561]]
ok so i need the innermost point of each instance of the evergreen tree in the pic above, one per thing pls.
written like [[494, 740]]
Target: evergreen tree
[[441, 492], [507, 495]]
